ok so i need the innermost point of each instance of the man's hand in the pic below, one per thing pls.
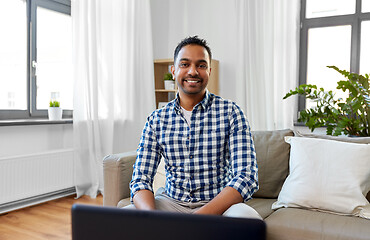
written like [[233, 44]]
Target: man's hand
[[225, 199], [144, 200]]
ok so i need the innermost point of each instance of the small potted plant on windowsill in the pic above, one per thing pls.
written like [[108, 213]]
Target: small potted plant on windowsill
[[169, 83], [54, 111], [350, 116]]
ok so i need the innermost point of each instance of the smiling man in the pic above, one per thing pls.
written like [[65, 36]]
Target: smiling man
[[205, 142]]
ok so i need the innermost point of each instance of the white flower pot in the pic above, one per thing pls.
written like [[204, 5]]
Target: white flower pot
[[55, 113], [169, 85]]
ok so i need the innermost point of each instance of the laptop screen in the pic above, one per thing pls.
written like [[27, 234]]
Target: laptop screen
[[97, 222]]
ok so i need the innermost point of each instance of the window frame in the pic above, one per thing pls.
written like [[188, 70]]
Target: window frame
[[63, 6], [354, 20]]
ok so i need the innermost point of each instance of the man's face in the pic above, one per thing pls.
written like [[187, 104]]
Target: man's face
[[191, 70]]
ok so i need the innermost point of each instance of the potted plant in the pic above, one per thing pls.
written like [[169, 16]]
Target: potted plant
[[54, 110], [350, 116], [169, 83]]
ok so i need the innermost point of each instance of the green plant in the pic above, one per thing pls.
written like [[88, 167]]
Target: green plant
[[350, 116], [167, 76], [54, 104]]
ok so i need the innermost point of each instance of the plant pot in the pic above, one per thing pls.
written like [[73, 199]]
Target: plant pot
[[169, 85], [55, 113]]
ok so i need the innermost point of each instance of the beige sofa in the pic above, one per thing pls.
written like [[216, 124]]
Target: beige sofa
[[273, 155]]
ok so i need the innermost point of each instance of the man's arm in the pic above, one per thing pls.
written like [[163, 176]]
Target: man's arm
[[145, 167], [144, 200], [243, 165], [225, 199]]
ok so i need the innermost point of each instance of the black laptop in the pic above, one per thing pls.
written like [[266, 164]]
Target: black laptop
[[106, 223]]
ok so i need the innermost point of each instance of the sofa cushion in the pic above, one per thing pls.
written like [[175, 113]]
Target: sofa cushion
[[124, 202], [327, 175], [262, 206], [293, 223], [273, 161]]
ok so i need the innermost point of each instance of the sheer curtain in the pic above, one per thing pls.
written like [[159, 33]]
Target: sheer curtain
[[268, 41], [114, 86]]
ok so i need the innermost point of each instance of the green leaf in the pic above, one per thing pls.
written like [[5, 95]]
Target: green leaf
[[339, 116], [54, 104]]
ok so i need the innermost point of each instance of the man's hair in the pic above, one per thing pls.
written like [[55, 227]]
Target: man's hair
[[195, 40]]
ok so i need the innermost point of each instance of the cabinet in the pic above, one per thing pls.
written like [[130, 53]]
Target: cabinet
[[162, 66]]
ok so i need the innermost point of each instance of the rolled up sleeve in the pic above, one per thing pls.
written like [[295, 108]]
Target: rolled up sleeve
[[147, 161], [243, 163]]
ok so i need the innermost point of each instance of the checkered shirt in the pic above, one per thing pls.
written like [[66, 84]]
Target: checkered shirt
[[215, 151]]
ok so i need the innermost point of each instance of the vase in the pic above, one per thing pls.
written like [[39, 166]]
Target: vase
[[169, 85], [55, 113]]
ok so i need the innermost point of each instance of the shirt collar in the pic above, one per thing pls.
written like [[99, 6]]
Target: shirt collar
[[204, 103]]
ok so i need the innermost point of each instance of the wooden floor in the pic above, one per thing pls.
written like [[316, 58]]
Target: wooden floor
[[51, 220]]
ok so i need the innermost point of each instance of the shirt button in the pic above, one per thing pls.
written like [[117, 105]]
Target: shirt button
[[191, 156]]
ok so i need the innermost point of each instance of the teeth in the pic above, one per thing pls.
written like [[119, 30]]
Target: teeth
[[192, 81]]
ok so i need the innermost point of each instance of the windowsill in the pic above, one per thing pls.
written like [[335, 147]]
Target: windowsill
[[24, 122], [299, 124]]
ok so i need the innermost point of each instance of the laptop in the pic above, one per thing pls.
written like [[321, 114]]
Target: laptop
[[108, 223]]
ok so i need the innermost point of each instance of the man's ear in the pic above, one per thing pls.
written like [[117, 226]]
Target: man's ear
[[173, 71]]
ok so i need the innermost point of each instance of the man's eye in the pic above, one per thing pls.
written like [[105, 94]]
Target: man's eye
[[203, 66], [184, 64]]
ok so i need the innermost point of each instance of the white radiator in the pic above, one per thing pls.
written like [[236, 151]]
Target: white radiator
[[28, 176]]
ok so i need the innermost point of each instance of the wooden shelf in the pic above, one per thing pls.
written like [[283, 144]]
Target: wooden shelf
[[165, 90]]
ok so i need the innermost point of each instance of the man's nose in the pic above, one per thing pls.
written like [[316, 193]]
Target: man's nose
[[193, 70]]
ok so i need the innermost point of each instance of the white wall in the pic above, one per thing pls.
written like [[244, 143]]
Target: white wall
[[24, 140]]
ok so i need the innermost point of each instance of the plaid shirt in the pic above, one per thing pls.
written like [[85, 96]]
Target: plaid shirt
[[215, 151]]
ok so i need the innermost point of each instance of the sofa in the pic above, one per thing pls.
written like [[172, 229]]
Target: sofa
[[304, 191]]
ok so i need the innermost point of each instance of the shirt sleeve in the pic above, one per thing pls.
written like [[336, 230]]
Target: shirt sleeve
[[243, 161], [147, 160]]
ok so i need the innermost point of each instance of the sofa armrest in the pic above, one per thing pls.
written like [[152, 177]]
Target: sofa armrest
[[117, 171]]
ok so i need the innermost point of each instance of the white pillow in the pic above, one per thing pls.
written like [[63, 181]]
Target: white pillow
[[160, 177], [327, 175]]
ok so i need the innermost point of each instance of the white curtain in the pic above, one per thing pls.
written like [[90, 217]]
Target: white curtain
[[268, 42], [114, 85]]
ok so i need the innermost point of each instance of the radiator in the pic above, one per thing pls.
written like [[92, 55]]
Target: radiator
[[29, 176]]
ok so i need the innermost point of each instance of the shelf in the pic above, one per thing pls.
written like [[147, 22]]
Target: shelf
[[164, 61], [165, 90]]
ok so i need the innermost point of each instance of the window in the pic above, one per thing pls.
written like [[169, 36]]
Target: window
[[13, 56], [333, 32], [35, 57]]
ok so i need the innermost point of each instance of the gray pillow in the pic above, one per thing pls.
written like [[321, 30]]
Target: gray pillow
[[273, 161]]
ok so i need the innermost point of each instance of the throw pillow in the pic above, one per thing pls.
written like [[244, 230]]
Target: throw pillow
[[272, 154], [327, 175], [365, 140], [160, 177]]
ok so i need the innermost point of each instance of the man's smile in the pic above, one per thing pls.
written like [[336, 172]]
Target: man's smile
[[192, 80]]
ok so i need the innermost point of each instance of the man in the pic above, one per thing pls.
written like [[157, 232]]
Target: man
[[205, 142]]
